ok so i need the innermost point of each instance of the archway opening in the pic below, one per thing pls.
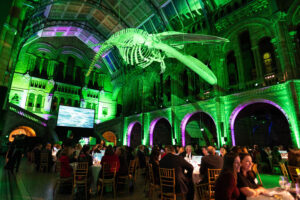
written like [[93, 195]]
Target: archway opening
[[110, 137], [262, 124], [135, 135], [21, 130], [162, 134], [200, 129]]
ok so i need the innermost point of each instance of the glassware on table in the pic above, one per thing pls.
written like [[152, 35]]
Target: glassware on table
[[283, 181]]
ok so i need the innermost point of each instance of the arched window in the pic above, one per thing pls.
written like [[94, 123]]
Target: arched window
[[39, 101], [44, 68], [185, 82], [62, 101], [36, 70], [247, 56], [266, 50], [70, 69], [232, 68], [54, 104], [59, 74], [31, 98], [168, 88], [78, 76]]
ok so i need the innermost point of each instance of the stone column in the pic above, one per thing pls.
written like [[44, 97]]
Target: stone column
[[240, 67], [34, 103], [283, 48], [51, 68], [258, 64]]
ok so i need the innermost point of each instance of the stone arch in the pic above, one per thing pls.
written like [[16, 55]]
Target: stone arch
[[110, 137], [22, 130], [47, 48], [240, 107], [185, 121], [232, 33], [69, 50], [293, 13], [152, 127], [131, 141]]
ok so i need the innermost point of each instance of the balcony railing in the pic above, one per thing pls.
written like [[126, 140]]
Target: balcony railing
[[28, 115]]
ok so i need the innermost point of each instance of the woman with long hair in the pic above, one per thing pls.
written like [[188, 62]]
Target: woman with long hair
[[226, 185], [247, 182]]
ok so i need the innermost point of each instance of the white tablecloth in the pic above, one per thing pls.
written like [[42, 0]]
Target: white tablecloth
[[271, 192]]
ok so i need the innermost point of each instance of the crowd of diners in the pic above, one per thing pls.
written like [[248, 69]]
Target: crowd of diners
[[236, 180]]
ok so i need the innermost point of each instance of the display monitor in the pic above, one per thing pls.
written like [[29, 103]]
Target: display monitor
[[284, 155], [97, 158], [197, 159], [75, 117]]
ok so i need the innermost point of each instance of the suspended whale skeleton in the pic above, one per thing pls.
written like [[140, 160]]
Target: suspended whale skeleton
[[139, 48]]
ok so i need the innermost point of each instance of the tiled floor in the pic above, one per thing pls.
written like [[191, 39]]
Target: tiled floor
[[28, 184]]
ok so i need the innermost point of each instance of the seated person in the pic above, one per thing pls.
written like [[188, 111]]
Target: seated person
[[188, 153], [226, 184], [184, 182], [123, 170], [111, 158], [247, 182], [65, 167], [84, 155], [154, 160], [212, 161]]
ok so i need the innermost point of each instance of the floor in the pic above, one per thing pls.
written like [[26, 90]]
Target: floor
[[28, 184]]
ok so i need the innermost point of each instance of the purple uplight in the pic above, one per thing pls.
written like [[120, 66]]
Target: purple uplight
[[185, 121], [238, 109], [152, 126], [130, 127]]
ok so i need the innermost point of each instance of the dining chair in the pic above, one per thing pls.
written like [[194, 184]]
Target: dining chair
[[202, 191], [167, 184], [122, 180], [108, 177], [80, 178], [283, 169], [213, 174], [294, 173], [255, 170], [44, 162], [153, 187], [60, 181]]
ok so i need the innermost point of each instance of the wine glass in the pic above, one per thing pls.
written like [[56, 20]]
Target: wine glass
[[282, 182]]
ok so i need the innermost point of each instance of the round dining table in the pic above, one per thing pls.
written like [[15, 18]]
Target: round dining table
[[273, 194]]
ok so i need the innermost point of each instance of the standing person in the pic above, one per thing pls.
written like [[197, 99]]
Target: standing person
[[212, 161], [246, 179], [184, 182], [226, 184], [37, 156], [141, 156], [154, 160]]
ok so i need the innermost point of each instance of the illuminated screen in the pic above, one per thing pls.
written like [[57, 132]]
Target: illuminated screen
[[284, 155], [197, 159], [75, 117]]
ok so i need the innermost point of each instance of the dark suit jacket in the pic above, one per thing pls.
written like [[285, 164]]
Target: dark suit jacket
[[210, 162], [179, 164]]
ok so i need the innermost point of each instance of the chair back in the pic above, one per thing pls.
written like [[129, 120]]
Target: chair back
[[81, 172], [202, 191], [44, 158], [213, 174], [109, 170], [151, 175], [283, 169], [294, 173], [131, 168], [255, 170], [167, 183]]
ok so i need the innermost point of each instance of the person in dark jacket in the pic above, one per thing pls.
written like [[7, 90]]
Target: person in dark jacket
[[154, 160], [212, 161], [141, 155], [184, 182]]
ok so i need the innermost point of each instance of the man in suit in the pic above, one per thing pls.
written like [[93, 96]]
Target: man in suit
[[184, 182], [188, 153], [211, 161]]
